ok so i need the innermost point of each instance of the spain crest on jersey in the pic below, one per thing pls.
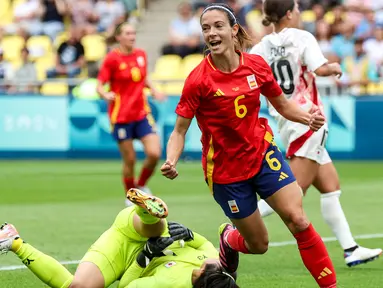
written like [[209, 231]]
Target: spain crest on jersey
[[252, 81]]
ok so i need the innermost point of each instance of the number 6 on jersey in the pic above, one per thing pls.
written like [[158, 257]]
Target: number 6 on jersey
[[240, 109]]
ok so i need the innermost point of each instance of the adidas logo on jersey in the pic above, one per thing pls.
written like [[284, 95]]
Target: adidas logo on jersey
[[283, 176], [325, 272], [219, 93]]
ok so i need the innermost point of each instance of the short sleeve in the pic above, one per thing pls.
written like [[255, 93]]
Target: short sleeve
[[312, 55], [258, 49], [105, 72], [190, 99], [270, 87]]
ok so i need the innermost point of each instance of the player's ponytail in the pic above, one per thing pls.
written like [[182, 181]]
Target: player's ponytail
[[243, 40], [275, 10]]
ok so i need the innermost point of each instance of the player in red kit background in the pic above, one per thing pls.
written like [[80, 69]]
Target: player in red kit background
[[239, 156], [125, 69]]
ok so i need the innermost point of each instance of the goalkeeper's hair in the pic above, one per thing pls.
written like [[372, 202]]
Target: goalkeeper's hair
[[214, 276]]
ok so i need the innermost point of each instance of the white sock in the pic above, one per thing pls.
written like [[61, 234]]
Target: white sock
[[333, 214], [264, 208]]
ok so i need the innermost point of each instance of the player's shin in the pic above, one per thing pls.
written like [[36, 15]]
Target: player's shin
[[315, 257], [264, 208], [47, 269], [333, 214]]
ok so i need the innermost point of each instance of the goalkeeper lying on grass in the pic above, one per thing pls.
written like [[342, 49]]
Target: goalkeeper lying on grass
[[141, 250]]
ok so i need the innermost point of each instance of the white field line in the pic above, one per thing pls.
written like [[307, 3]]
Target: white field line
[[272, 244]]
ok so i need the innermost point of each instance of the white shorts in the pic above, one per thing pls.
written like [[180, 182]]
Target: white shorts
[[313, 148]]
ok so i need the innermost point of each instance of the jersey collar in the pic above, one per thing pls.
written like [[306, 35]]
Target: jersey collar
[[211, 64]]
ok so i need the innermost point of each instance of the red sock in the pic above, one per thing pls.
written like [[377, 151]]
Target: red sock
[[315, 257], [145, 175], [129, 183], [237, 242]]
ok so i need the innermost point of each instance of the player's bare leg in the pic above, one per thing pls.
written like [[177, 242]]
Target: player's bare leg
[[150, 212], [152, 149], [88, 275], [252, 233], [128, 161], [304, 170], [327, 182], [287, 202]]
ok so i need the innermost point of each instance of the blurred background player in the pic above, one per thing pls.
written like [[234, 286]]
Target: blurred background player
[[240, 158], [125, 69], [294, 55], [125, 253]]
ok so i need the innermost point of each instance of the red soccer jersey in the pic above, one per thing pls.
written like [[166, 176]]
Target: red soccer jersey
[[126, 74], [226, 106]]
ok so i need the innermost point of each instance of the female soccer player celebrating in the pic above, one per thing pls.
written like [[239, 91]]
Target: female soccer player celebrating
[[125, 69], [239, 156], [294, 55]]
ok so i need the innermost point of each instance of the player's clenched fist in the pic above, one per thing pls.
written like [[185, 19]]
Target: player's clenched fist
[[317, 120], [169, 170]]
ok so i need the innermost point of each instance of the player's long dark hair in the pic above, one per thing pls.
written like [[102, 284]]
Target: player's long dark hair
[[275, 10], [214, 276], [243, 39]]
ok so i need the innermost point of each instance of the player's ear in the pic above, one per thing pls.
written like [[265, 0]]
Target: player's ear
[[234, 30], [289, 14]]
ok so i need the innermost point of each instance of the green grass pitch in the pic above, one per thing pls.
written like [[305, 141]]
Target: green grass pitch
[[61, 207]]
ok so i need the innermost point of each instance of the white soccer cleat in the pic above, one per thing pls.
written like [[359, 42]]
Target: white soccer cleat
[[361, 255], [8, 234]]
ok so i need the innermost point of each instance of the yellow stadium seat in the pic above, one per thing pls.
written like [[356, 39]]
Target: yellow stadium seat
[[12, 46], [60, 38], [190, 62], [329, 17], [167, 67], [39, 46], [6, 14], [94, 46], [308, 16], [172, 89], [54, 89], [43, 64], [254, 21]]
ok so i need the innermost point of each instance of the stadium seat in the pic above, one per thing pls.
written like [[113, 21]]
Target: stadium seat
[[254, 21], [43, 64], [60, 38], [308, 16], [95, 47], [12, 46], [167, 67], [39, 46], [329, 17], [54, 89], [173, 89], [190, 62], [6, 14]]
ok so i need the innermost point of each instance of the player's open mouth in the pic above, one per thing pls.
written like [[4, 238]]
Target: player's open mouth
[[215, 44]]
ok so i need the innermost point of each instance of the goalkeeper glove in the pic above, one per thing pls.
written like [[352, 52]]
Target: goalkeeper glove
[[179, 232], [154, 247]]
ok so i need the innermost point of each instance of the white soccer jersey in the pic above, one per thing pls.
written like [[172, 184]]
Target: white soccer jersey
[[293, 55]]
